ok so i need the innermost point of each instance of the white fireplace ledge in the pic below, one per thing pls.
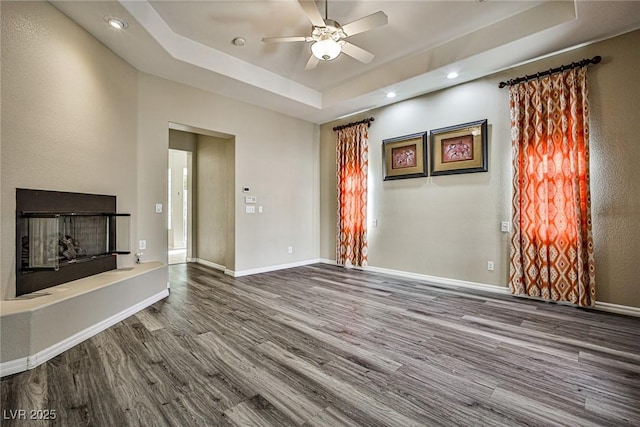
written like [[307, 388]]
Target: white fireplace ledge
[[55, 294], [38, 326]]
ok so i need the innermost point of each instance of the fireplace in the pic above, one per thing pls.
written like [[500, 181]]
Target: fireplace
[[62, 236]]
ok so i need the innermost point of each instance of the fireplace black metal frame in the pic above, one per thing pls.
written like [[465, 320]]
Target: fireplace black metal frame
[[55, 204]]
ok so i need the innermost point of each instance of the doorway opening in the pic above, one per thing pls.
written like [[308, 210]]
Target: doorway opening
[[200, 197], [179, 203]]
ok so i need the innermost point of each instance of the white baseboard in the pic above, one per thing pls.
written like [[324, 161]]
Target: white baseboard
[[440, 280], [210, 264], [11, 367], [272, 268], [431, 279], [618, 309], [252, 271], [215, 266], [602, 306]]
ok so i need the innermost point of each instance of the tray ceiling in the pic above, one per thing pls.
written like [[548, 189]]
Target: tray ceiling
[[191, 42]]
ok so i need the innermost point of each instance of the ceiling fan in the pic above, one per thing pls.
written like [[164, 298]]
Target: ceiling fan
[[328, 37]]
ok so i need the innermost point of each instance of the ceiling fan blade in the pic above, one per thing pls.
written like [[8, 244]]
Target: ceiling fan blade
[[311, 9], [367, 23], [357, 53], [284, 39], [312, 63]]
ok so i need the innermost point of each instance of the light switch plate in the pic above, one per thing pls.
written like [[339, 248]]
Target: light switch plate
[[250, 209], [158, 207], [505, 226], [250, 199]]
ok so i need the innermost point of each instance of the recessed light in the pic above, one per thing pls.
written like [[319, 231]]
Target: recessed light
[[239, 41], [117, 23], [391, 94], [452, 75]]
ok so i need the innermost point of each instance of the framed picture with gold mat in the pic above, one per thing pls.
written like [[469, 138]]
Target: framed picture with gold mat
[[405, 156], [459, 149]]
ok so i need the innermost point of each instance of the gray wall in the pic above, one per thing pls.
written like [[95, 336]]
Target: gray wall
[[69, 114], [215, 195], [180, 140], [449, 226], [76, 117], [69, 123], [275, 155]]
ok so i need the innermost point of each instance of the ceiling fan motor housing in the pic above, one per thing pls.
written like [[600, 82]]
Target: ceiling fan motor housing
[[332, 30]]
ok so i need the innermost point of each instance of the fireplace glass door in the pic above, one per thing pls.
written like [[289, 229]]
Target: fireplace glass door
[[49, 241], [39, 249]]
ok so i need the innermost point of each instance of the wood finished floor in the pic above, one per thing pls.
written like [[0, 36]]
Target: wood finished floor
[[323, 346]]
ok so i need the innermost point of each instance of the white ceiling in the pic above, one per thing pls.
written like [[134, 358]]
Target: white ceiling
[[190, 42]]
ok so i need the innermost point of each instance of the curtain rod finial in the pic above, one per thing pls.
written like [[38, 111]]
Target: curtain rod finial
[[595, 60], [364, 121]]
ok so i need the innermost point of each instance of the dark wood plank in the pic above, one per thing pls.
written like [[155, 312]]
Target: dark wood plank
[[325, 346]]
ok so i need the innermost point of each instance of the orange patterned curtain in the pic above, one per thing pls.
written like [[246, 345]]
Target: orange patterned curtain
[[552, 242], [352, 164]]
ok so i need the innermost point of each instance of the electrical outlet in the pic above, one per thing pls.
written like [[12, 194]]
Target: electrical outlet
[[142, 244], [158, 207], [490, 266], [505, 226], [290, 249]]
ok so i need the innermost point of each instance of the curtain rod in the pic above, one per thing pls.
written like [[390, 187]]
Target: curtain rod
[[367, 121], [587, 61]]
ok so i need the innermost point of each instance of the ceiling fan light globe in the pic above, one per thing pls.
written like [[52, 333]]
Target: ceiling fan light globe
[[326, 50]]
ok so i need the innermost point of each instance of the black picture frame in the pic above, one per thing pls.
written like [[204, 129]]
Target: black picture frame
[[405, 156], [459, 149]]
